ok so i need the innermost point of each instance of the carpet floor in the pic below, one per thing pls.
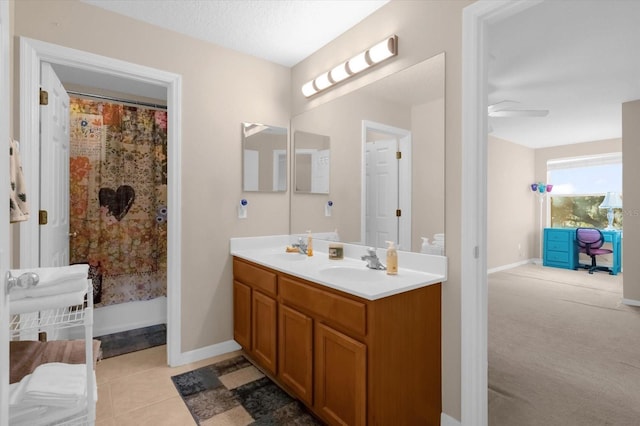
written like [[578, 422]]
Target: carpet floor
[[563, 349], [235, 393], [133, 340]]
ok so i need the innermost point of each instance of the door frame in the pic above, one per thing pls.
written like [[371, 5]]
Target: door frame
[[404, 180], [476, 18], [5, 228], [32, 53]]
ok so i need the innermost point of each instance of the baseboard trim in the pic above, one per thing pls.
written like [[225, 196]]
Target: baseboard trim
[[446, 420], [510, 266], [631, 302], [207, 352], [129, 316]]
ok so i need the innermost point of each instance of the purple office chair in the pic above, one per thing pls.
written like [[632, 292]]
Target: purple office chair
[[590, 241]]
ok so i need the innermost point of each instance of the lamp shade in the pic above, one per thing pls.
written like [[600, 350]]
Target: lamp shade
[[611, 201]]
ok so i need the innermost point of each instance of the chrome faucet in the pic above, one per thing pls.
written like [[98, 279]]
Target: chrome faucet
[[301, 245], [372, 260]]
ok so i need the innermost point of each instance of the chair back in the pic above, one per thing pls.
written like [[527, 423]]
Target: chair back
[[589, 238]]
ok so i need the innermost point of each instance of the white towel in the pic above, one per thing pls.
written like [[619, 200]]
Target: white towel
[[52, 281], [35, 304], [56, 384]]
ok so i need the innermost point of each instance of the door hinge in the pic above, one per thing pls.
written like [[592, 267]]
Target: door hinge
[[44, 97], [476, 252], [398, 155], [398, 212], [42, 217]]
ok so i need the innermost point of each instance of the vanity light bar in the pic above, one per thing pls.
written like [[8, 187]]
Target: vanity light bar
[[374, 55]]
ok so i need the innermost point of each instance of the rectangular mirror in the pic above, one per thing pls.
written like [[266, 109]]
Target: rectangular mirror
[[312, 163], [264, 158], [403, 112]]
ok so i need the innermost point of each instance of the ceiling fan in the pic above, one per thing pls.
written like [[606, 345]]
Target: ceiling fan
[[508, 109]]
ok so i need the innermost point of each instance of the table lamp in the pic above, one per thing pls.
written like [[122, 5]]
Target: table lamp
[[611, 201]]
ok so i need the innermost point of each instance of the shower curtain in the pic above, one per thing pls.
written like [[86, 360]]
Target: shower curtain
[[118, 197]]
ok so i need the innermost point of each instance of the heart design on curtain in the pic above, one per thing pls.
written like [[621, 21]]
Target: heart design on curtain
[[118, 202]]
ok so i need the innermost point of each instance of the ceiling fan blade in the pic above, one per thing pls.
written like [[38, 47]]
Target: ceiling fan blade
[[519, 113], [498, 106]]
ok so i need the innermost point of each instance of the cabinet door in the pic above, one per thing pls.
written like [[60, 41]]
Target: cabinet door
[[242, 315], [295, 354], [264, 310], [340, 377]]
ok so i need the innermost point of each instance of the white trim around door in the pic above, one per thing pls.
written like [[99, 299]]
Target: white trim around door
[[475, 53], [32, 53]]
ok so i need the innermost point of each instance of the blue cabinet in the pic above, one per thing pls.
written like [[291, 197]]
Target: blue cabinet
[[560, 251], [559, 248]]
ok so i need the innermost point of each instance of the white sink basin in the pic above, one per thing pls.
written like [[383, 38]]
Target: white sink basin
[[361, 274]]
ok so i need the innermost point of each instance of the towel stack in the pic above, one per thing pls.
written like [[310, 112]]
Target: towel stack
[[57, 287], [53, 392]]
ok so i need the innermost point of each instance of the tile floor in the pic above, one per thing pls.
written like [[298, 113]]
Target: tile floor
[[136, 389]]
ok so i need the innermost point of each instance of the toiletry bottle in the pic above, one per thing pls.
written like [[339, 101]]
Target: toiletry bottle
[[425, 245], [309, 244], [392, 259]]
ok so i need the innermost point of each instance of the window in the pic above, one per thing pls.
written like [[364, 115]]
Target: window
[[579, 186]]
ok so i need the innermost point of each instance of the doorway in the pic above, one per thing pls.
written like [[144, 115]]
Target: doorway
[[386, 182], [33, 53]]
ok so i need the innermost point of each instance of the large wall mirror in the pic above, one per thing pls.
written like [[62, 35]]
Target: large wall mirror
[[264, 158], [377, 194]]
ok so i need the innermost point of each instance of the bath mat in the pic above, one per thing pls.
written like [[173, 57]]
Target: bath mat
[[233, 392], [133, 340]]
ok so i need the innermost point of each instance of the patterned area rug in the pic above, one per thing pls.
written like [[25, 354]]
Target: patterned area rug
[[235, 393], [133, 340]]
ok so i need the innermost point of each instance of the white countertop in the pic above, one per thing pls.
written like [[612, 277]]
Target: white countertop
[[415, 270]]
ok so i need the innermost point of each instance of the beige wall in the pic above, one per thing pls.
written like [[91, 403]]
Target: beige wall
[[424, 29], [511, 208], [630, 178], [221, 89]]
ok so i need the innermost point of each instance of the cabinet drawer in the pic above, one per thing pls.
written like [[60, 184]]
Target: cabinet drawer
[[255, 276], [348, 313], [558, 236], [557, 256], [557, 246]]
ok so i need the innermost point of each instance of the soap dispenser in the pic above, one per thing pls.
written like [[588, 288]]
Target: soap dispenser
[[392, 259], [425, 245], [309, 244]]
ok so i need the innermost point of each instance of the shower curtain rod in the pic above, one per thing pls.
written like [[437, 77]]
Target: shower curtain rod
[[111, 98]]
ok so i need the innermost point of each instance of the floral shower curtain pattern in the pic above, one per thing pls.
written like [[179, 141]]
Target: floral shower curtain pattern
[[118, 196]]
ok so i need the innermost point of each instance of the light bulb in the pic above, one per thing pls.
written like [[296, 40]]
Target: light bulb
[[308, 89], [339, 73], [382, 50], [323, 81], [358, 63]]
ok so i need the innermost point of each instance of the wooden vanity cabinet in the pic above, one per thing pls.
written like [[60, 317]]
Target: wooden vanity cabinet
[[295, 352], [255, 310], [352, 361]]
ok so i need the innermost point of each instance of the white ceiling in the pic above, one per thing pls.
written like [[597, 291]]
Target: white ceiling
[[280, 31], [578, 59]]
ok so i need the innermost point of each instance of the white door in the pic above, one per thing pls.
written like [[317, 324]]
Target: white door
[[382, 192], [54, 171]]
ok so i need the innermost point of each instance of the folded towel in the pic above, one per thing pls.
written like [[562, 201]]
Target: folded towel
[[43, 415], [35, 304], [56, 384], [52, 281], [26, 408]]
